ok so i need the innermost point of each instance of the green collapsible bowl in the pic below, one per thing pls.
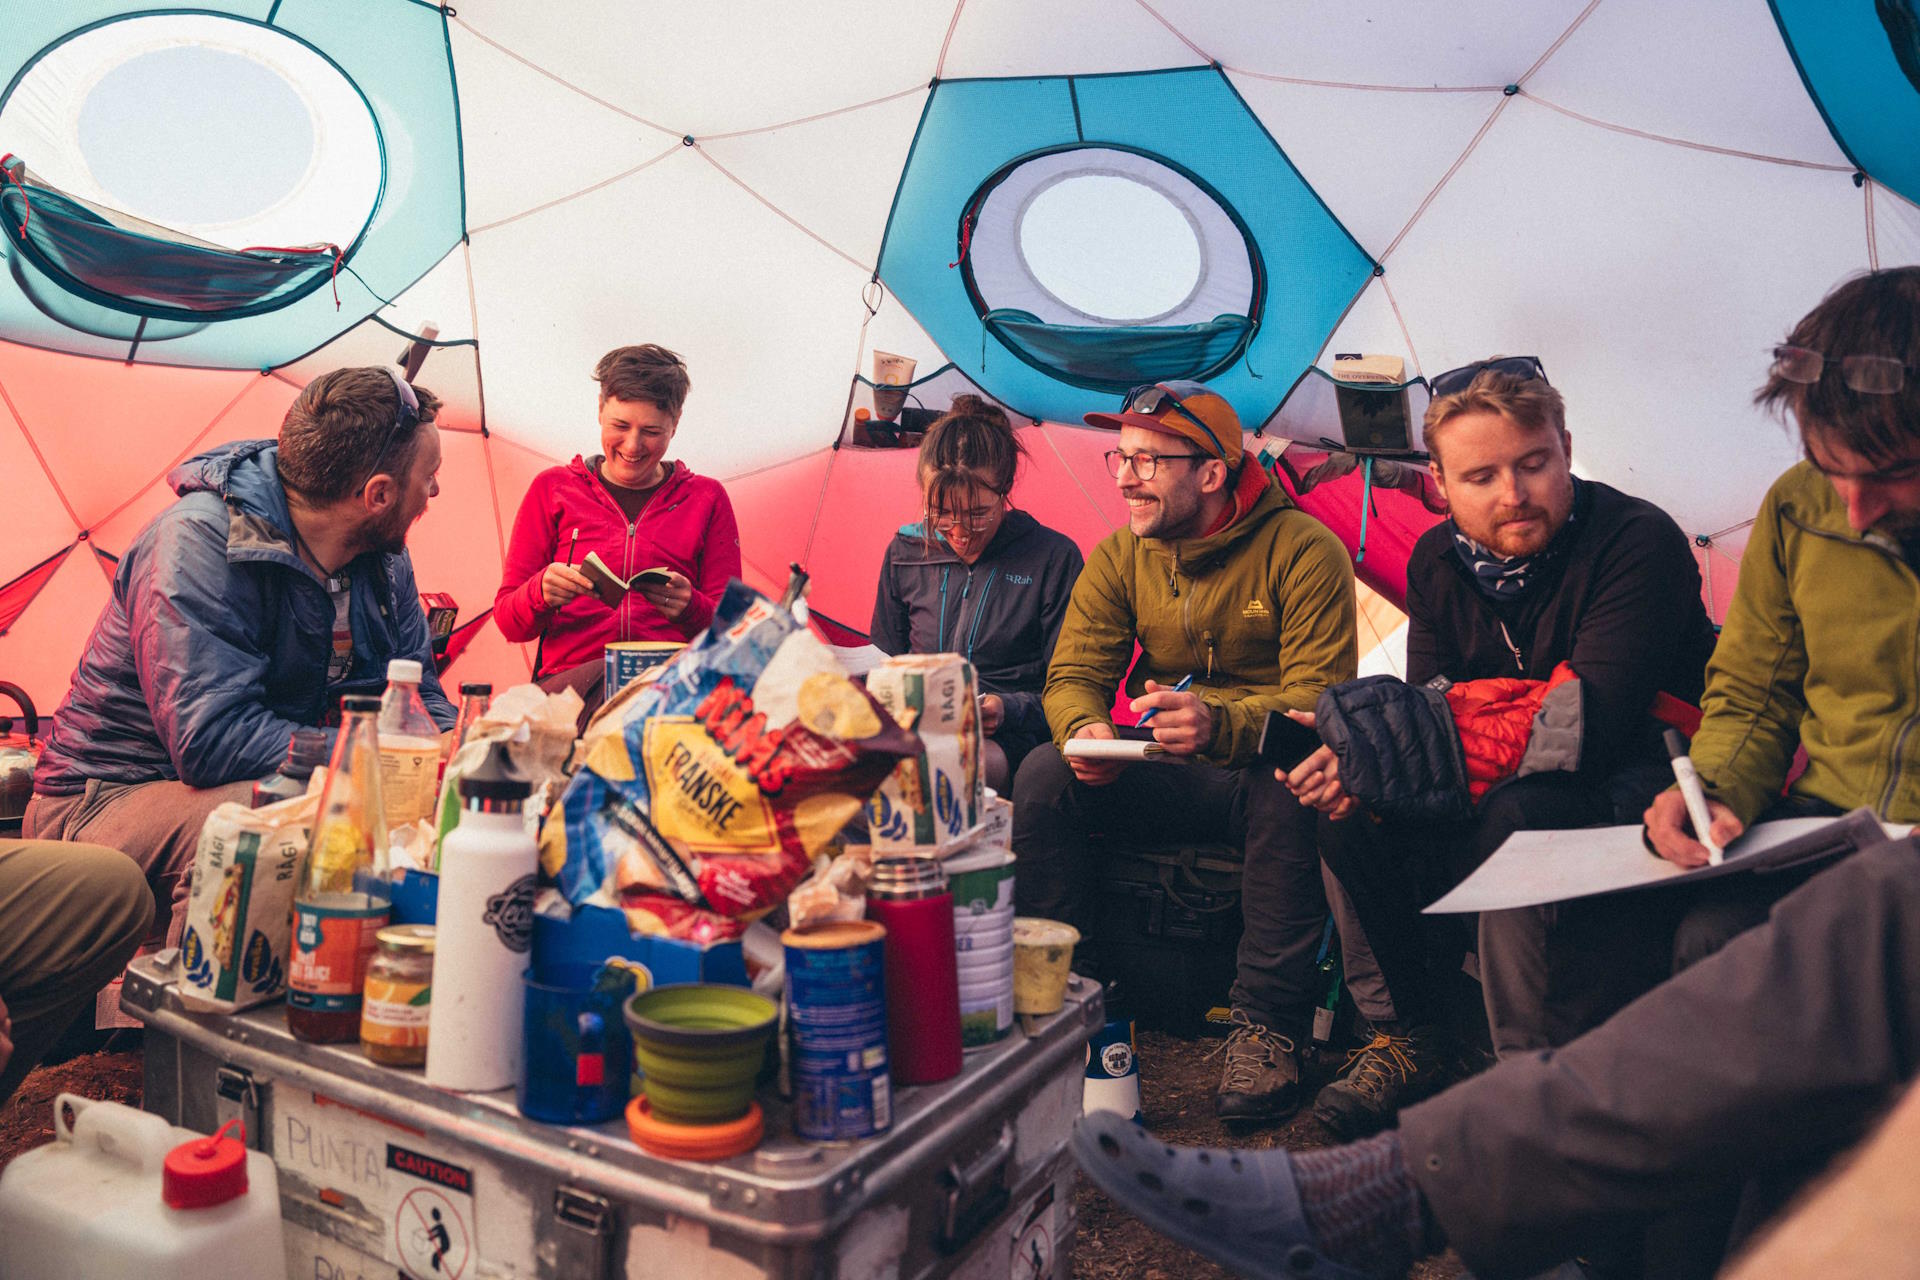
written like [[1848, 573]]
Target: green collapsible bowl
[[699, 1047]]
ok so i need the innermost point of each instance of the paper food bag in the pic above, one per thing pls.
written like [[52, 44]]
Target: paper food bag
[[931, 802], [239, 913]]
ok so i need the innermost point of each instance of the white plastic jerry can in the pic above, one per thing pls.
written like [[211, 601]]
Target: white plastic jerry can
[[120, 1193]]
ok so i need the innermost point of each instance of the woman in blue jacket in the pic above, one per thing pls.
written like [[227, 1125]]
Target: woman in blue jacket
[[977, 578]]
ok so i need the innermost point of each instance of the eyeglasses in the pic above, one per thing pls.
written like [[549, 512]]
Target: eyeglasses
[[1526, 367], [1869, 375], [1148, 400], [408, 416], [1144, 464], [975, 519]]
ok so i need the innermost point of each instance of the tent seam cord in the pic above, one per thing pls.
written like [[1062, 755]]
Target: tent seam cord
[[184, 453], [1075, 477], [473, 327], [786, 217], [1554, 48], [1735, 152], [1401, 321], [499, 531], [1198, 52], [1445, 178], [584, 191], [1873, 241], [816, 117], [535, 67], [819, 506], [946, 43], [1366, 88], [39, 457]]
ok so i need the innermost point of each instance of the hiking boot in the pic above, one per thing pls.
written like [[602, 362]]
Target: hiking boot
[[1394, 1069], [1262, 1078]]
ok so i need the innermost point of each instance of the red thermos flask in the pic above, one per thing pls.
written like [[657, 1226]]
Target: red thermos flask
[[910, 897]]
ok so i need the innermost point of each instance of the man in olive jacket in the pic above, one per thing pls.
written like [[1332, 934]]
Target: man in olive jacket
[[1218, 577]]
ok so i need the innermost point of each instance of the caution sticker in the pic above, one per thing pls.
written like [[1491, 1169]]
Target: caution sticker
[[432, 1237]]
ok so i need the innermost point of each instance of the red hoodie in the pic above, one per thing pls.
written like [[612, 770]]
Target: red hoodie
[[687, 526]]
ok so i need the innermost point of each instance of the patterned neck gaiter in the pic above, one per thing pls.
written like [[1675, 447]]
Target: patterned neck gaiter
[[1507, 578]]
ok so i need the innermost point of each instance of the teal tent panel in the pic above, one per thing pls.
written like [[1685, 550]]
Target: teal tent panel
[[395, 53], [1191, 119], [1863, 70]]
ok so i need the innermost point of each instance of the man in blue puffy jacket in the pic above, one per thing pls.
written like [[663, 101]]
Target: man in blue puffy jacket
[[278, 582]]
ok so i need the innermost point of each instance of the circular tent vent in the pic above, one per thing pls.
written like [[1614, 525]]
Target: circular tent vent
[[1110, 268], [223, 130]]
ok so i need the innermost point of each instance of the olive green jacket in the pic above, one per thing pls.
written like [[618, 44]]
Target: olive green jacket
[[1821, 648], [1261, 613]]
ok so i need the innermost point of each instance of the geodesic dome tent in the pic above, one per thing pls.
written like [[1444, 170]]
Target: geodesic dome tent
[[1044, 203]]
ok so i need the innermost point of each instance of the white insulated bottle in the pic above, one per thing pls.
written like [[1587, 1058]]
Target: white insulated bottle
[[484, 931]]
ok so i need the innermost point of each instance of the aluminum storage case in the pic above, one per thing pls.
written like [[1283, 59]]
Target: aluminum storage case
[[379, 1172]]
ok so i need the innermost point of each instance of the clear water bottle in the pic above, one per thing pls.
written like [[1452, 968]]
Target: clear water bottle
[[474, 699], [409, 747]]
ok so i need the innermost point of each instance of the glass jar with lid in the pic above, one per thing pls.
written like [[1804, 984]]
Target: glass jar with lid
[[399, 994]]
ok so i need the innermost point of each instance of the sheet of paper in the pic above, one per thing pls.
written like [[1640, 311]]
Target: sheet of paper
[[1110, 749], [1537, 867]]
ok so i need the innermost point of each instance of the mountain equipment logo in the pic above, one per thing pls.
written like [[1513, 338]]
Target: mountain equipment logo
[[1254, 609]]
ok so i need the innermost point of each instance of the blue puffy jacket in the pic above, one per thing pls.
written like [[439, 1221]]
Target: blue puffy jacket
[[214, 647]]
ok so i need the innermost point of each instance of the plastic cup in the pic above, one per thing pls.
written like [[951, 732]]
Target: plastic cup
[[1042, 962], [700, 1048], [891, 375], [576, 1054]]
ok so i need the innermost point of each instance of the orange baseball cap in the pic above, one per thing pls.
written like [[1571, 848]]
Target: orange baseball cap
[[1191, 410]]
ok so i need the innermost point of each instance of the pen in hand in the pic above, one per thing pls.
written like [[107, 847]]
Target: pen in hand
[[1696, 796], [1181, 687], [572, 543]]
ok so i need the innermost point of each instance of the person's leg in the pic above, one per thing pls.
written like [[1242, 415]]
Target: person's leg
[[157, 824], [1359, 967], [1721, 910], [1785, 1046], [995, 770], [70, 918]]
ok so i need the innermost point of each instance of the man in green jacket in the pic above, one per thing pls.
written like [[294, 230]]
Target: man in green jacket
[[1217, 577], [1821, 646]]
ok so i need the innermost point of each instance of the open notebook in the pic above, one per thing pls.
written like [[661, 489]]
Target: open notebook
[[611, 587]]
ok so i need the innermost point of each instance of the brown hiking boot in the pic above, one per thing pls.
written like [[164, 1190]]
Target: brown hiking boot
[[1392, 1070], [1262, 1078]]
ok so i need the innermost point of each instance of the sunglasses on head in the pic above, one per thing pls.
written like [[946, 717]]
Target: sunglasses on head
[[1151, 398], [1527, 367], [1869, 375], [408, 415]]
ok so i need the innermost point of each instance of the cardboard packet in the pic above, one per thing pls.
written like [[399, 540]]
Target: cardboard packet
[[240, 909], [932, 802]]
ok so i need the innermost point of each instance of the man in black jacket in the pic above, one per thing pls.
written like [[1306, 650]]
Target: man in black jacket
[[1534, 569]]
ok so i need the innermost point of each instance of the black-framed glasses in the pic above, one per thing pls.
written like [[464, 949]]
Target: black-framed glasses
[[1143, 464], [1869, 375], [1149, 399], [1527, 367], [408, 416]]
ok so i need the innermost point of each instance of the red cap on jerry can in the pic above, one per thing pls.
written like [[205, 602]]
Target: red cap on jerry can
[[205, 1172]]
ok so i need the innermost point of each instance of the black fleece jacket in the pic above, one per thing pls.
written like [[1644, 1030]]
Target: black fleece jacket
[[1622, 606]]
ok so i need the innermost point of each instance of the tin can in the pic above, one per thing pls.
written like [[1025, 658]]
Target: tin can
[[626, 659], [837, 1016]]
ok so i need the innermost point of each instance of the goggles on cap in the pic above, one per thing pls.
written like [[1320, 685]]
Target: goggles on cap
[[1524, 367], [1151, 398], [408, 416], [1869, 375]]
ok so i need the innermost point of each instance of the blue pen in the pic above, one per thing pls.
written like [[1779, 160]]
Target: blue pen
[[1185, 680]]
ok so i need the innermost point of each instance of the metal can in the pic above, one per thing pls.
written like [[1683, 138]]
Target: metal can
[[837, 1017], [398, 996], [626, 659]]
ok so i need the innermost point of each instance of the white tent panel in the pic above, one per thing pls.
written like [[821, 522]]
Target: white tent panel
[[1370, 328], [1712, 73], [1376, 41], [834, 176], [766, 318], [528, 139], [716, 68], [1651, 278], [998, 38], [1896, 229], [1372, 155]]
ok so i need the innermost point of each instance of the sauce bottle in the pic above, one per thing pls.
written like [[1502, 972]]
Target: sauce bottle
[[342, 899]]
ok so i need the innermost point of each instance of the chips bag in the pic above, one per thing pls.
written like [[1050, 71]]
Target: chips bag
[[703, 796]]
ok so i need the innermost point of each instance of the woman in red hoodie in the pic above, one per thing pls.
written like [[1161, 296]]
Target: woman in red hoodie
[[638, 511]]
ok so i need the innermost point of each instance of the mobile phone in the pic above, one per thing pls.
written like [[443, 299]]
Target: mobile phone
[[1285, 742]]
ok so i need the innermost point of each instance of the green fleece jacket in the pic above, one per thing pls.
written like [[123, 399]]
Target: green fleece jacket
[[1261, 613], [1821, 648]]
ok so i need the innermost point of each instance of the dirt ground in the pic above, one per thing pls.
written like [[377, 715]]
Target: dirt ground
[[1177, 1082]]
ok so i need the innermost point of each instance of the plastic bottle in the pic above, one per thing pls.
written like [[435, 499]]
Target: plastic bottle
[[120, 1192], [409, 747], [342, 900], [306, 752], [485, 931]]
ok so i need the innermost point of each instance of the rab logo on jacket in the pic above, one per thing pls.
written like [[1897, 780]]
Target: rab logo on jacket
[[1254, 609]]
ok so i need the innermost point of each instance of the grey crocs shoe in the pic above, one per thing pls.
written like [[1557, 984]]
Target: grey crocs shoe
[[1239, 1208]]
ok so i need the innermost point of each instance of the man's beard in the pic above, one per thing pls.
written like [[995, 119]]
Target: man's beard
[[388, 535]]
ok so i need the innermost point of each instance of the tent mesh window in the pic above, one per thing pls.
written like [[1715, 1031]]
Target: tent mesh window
[[1109, 268]]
